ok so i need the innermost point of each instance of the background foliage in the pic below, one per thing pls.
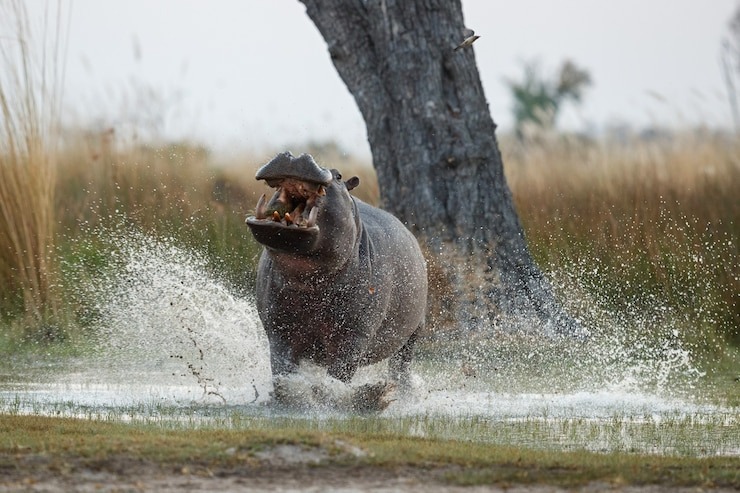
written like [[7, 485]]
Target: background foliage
[[624, 220]]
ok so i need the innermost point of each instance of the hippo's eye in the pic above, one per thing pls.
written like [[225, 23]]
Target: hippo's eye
[[338, 176]]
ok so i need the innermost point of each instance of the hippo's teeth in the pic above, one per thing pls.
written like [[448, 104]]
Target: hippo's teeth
[[321, 190], [259, 212], [276, 216], [288, 219], [312, 216]]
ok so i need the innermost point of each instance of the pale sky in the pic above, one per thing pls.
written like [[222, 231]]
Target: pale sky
[[255, 74]]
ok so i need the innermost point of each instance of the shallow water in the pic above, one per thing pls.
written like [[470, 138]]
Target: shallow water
[[609, 420], [177, 348]]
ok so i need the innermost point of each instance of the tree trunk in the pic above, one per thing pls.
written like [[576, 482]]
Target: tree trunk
[[436, 156]]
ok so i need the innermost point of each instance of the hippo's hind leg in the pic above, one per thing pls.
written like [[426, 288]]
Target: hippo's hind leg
[[400, 363]]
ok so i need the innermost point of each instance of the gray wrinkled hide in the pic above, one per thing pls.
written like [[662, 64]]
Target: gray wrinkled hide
[[359, 298]]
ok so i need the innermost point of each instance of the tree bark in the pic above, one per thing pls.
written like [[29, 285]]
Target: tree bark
[[436, 156]]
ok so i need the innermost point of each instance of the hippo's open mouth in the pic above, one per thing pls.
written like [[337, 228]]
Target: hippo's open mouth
[[294, 204], [289, 220]]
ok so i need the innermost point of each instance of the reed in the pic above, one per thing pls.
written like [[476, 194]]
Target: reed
[[639, 221], [30, 92]]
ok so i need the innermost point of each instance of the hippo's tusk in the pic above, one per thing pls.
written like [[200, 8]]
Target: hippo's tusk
[[276, 216], [259, 212], [288, 219], [312, 216]]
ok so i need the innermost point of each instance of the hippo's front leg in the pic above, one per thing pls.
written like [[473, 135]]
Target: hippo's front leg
[[349, 351], [283, 363], [283, 360], [350, 354]]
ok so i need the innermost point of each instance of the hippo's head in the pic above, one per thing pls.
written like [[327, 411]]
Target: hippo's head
[[311, 212]]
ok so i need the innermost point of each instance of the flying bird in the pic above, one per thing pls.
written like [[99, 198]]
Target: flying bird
[[469, 40]]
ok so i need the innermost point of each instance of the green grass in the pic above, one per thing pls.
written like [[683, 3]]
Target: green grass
[[101, 445]]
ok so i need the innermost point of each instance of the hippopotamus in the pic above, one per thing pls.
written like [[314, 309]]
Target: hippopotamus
[[340, 283]]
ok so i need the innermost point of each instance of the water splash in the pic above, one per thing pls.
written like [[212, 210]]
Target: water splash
[[164, 319], [170, 335]]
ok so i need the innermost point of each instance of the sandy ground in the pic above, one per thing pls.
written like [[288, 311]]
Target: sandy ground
[[284, 468], [321, 480]]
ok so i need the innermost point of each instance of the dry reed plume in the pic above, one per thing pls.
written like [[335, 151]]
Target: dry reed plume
[[29, 100]]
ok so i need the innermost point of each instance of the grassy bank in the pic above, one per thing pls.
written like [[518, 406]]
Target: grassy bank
[[32, 446]]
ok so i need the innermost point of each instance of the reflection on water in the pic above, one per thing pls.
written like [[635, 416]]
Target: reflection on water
[[177, 348]]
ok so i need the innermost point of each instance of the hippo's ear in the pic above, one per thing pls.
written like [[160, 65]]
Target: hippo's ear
[[352, 183]]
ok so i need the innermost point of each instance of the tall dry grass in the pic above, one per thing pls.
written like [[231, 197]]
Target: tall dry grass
[[30, 91], [646, 219], [110, 185], [639, 220]]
